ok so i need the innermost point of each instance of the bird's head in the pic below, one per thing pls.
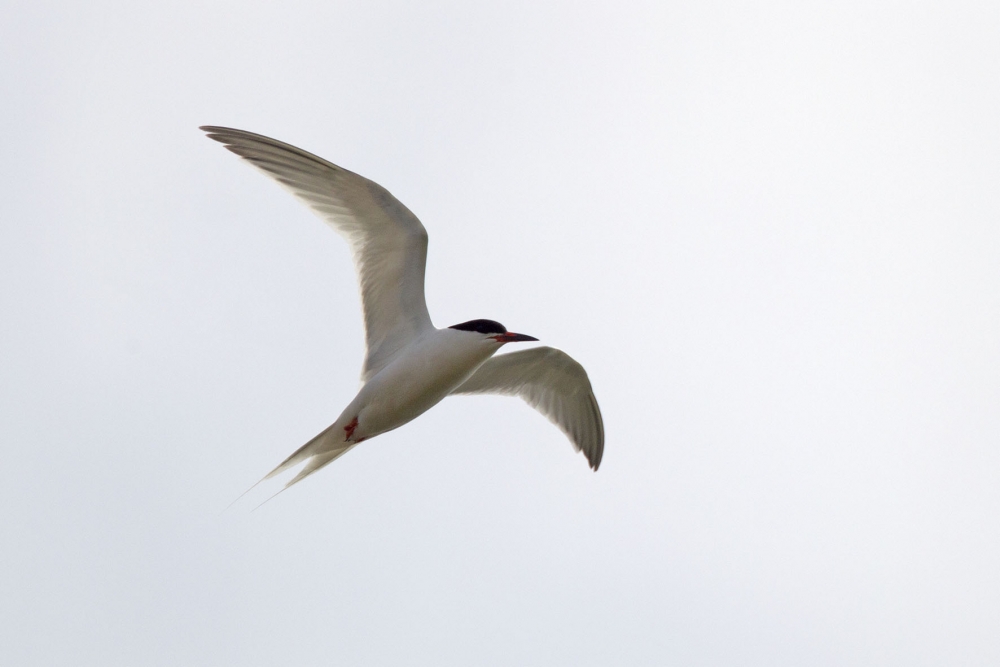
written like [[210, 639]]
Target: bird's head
[[490, 329]]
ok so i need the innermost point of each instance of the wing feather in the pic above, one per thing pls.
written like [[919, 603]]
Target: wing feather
[[388, 243], [553, 383]]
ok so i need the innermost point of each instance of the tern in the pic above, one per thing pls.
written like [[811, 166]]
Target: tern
[[409, 364]]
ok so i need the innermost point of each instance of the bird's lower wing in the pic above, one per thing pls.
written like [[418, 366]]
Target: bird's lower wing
[[551, 382]]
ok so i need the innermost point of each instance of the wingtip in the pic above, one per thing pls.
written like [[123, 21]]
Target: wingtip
[[594, 457], [213, 131]]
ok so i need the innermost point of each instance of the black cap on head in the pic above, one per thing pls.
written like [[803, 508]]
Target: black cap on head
[[481, 326]]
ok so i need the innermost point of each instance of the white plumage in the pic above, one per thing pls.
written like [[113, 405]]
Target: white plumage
[[409, 364]]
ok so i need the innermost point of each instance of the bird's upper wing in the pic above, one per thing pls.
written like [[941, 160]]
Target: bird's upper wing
[[553, 383], [388, 242]]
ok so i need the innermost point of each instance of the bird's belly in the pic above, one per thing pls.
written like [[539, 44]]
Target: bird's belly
[[408, 388]]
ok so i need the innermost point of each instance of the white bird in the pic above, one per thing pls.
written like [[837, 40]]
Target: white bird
[[409, 364]]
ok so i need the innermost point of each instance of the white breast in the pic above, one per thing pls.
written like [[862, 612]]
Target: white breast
[[417, 379]]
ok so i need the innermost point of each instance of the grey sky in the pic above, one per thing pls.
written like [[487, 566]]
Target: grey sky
[[769, 231]]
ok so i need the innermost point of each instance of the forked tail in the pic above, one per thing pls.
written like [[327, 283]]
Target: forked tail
[[322, 450]]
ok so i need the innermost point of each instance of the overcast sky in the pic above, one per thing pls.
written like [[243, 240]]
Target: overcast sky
[[769, 231]]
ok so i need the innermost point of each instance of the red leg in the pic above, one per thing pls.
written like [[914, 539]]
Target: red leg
[[349, 429]]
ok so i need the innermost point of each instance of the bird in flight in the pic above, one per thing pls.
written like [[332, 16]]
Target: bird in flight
[[409, 364]]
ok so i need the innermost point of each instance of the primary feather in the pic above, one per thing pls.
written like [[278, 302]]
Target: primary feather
[[552, 382], [387, 241]]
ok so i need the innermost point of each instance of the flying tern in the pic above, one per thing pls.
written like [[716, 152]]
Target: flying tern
[[409, 364]]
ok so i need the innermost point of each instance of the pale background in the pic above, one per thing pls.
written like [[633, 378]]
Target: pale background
[[768, 230]]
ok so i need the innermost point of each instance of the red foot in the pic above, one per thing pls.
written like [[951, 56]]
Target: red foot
[[349, 429]]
